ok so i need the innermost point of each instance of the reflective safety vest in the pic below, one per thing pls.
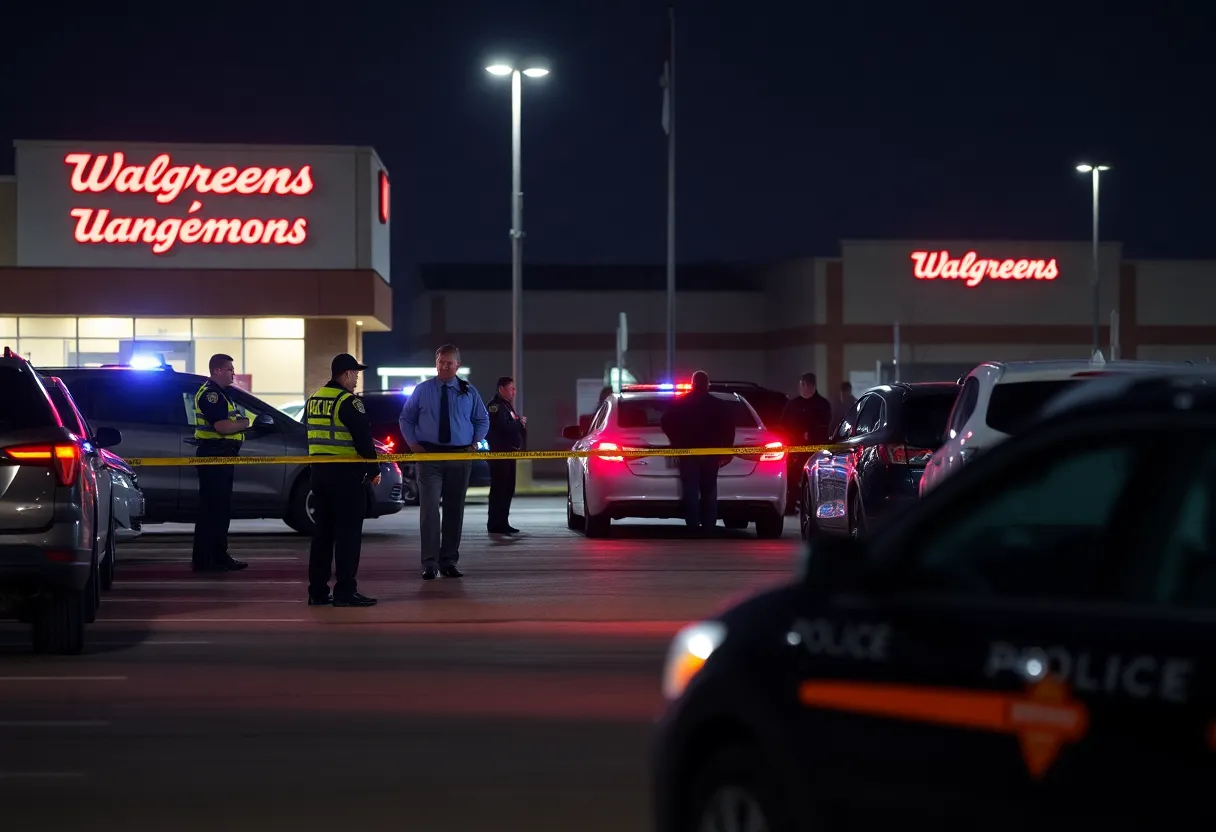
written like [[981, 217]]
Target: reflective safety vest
[[326, 433], [203, 429]]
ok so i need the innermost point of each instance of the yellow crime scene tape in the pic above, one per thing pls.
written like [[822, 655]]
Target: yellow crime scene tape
[[168, 462]]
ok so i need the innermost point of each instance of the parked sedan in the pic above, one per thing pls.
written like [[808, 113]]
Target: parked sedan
[[887, 437]]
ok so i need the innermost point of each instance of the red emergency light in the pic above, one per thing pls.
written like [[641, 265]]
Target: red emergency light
[[656, 388]]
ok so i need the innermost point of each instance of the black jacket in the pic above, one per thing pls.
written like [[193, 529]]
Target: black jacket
[[507, 432], [807, 420], [699, 420]]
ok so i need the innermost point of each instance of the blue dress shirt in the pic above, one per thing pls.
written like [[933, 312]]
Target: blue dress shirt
[[419, 419]]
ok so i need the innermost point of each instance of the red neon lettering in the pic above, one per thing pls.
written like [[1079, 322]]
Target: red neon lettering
[[167, 181], [384, 197], [971, 269], [97, 226]]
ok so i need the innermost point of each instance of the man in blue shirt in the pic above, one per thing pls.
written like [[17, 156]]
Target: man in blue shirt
[[444, 414]]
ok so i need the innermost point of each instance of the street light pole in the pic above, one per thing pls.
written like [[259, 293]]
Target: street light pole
[[517, 219], [1096, 265], [517, 240]]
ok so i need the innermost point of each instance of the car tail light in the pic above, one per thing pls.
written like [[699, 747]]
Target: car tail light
[[903, 455], [776, 454], [389, 443], [609, 446], [64, 459]]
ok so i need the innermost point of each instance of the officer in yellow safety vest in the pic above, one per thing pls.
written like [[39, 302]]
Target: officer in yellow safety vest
[[220, 429], [338, 427]]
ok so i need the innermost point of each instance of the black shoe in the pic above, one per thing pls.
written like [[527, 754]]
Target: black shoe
[[320, 602], [430, 573], [450, 572], [356, 600], [232, 565], [502, 530]]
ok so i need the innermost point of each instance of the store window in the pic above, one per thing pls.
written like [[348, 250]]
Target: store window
[[218, 328], [48, 352], [104, 327], [162, 329], [8, 328], [276, 369], [274, 327], [46, 327], [204, 348]]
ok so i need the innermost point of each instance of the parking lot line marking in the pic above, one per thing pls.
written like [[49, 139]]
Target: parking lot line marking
[[41, 775], [63, 678], [54, 723], [112, 599], [246, 555], [234, 582], [201, 620], [157, 643]]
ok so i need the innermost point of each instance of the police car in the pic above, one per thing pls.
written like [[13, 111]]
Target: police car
[[1032, 646]]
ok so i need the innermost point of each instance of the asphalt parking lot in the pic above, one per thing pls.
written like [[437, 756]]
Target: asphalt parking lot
[[517, 697]]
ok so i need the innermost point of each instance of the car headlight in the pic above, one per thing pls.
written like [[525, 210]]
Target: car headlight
[[689, 651]]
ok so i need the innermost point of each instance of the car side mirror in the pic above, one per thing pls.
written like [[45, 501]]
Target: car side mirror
[[573, 433], [263, 420], [107, 437], [834, 564]]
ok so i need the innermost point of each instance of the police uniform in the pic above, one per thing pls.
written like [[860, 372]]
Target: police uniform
[[507, 433], [337, 426], [212, 405]]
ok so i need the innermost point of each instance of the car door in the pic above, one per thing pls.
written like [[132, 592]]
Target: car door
[[846, 458], [944, 457], [576, 467], [828, 489], [75, 421], [143, 409], [1019, 677]]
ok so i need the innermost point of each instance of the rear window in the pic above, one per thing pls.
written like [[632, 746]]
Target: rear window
[[769, 405], [1016, 404], [924, 418], [66, 411], [22, 404], [383, 409], [648, 412]]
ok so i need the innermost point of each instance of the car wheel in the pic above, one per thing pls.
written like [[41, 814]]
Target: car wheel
[[770, 525], [731, 791], [106, 574], [300, 511], [735, 523], [594, 525], [573, 521], [409, 484], [807, 526]]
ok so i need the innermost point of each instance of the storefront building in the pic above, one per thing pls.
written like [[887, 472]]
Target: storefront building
[[124, 253]]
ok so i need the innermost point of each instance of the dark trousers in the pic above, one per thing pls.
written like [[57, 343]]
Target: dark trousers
[[794, 464], [502, 490], [214, 515], [699, 490], [339, 504], [447, 482]]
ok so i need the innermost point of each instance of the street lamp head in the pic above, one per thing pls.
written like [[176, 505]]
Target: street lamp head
[[1091, 168], [536, 72], [499, 69]]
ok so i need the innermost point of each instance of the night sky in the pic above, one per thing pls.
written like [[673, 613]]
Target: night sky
[[799, 124]]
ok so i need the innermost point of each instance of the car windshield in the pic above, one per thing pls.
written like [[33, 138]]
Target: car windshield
[[924, 417], [1016, 404], [22, 405], [648, 412]]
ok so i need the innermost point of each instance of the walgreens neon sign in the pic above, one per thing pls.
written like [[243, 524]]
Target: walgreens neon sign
[[166, 182], [973, 269]]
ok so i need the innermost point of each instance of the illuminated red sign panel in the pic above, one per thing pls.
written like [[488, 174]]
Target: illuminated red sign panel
[[972, 269], [384, 198], [96, 174]]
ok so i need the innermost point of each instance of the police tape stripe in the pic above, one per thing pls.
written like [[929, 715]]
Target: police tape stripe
[[633, 453]]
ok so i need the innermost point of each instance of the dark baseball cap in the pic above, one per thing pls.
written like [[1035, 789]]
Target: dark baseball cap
[[343, 362]]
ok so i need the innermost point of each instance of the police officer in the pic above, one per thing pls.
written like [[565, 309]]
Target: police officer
[[220, 429], [338, 426], [508, 432]]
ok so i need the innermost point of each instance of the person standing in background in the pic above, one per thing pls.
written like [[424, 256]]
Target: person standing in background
[[444, 415], [843, 404], [337, 426], [807, 420], [220, 429], [698, 419], [508, 432]]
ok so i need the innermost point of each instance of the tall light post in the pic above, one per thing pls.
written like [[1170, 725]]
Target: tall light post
[[534, 70], [1096, 278]]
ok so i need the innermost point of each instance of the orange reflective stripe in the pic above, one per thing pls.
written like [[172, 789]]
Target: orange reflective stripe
[[1043, 719]]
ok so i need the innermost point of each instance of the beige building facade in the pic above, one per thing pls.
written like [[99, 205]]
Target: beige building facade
[[113, 253]]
